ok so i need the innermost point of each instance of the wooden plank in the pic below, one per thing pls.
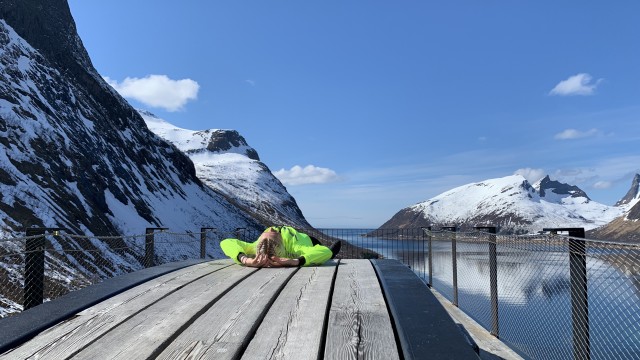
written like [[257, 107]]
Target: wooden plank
[[27, 324], [140, 336], [71, 335], [425, 329], [359, 326], [293, 327], [225, 329]]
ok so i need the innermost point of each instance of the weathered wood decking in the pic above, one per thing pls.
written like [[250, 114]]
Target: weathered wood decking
[[352, 309]]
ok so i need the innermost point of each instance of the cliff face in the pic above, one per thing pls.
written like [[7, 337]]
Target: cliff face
[[49, 27], [633, 194], [625, 228]]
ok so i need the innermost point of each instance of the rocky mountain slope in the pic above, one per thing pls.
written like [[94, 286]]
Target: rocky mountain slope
[[512, 204], [225, 162], [626, 227], [74, 153]]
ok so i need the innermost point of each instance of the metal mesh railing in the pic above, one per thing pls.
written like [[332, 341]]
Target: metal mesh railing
[[11, 275], [547, 296], [42, 267]]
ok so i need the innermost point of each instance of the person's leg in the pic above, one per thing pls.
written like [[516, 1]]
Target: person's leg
[[315, 241]]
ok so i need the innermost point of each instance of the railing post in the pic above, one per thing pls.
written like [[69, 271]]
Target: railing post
[[454, 262], [34, 266], [428, 228], [149, 246], [240, 230], [493, 277], [579, 294], [203, 240]]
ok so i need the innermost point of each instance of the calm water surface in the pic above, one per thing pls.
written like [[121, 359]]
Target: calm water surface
[[534, 294]]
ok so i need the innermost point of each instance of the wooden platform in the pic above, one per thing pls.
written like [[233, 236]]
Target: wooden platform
[[352, 309]]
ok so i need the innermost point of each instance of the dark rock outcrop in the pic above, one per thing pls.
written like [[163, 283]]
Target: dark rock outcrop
[[223, 140], [633, 193], [558, 188]]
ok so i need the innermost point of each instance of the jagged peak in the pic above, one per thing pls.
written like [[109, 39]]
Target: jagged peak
[[546, 186], [633, 195], [537, 184]]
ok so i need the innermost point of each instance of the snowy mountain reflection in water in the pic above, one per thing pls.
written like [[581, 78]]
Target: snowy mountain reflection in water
[[534, 294]]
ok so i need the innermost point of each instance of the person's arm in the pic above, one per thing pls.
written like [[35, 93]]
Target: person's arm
[[233, 248]]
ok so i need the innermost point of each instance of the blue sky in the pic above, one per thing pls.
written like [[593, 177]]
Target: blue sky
[[363, 108]]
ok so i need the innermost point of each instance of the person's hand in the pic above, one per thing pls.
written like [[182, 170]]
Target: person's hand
[[258, 261], [280, 261], [263, 260]]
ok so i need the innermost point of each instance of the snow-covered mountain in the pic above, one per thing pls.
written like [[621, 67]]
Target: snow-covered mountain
[[510, 203], [76, 155], [225, 162]]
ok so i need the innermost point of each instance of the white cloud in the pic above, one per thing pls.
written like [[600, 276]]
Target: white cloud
[[602, 184], [310, 174], [581, 84], [532, 175], [570, 134], [250, 82], [157, 91]]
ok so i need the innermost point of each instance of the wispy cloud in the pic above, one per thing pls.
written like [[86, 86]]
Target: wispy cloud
[[309, 174], [250, 82], [532, 175], [601, 174], [570, 134], [157, 91], [602, 185], [580, 84]]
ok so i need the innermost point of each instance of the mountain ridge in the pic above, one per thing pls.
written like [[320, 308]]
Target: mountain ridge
[[226, 163], [510, 203]]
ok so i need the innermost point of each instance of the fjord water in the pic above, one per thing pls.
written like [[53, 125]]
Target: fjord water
[[533, 291]]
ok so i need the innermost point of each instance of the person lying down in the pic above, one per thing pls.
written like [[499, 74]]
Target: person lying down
[[279, 246]]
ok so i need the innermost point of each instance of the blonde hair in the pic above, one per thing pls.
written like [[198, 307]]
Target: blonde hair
[[270, 245]]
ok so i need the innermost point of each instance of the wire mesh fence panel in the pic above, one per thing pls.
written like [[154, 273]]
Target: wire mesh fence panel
[[170, 247], [613, 273], [474, 296], [74, 262], [11, 275], [442, 266], [534, 301]]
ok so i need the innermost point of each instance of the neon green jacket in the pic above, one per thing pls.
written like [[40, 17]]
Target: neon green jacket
[[296, 245]]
